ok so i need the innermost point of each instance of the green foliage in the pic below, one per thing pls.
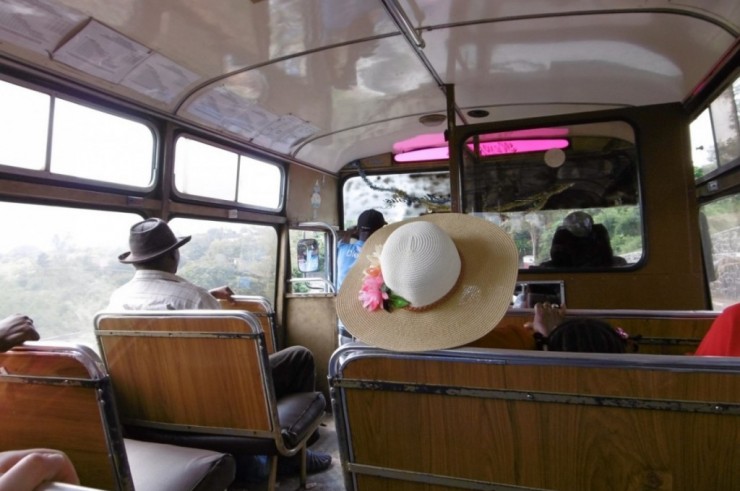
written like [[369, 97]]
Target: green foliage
[[63, 289]]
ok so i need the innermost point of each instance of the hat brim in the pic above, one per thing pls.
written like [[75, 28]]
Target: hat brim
[[129, 258], [490, 264]]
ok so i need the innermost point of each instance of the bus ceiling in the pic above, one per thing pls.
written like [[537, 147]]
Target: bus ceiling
[[376, 69]]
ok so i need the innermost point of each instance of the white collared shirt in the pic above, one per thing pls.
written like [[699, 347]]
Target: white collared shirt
[[158, 290]]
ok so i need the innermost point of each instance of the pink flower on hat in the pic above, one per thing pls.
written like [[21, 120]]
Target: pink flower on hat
[[372, 294]]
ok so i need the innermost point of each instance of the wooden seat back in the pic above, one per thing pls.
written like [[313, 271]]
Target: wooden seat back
[[198, 371], [664, 332], [201, 378], [481, 418], [259, 307], [59, 396]]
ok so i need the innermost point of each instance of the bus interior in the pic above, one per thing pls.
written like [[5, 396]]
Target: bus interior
[[263, 128]]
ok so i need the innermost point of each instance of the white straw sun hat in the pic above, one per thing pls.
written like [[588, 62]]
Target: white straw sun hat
[[432, 282]]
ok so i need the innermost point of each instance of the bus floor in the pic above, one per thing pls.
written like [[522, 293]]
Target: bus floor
[[329, 480]]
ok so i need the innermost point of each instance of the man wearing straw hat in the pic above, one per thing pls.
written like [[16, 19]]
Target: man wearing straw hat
[[434, 282]]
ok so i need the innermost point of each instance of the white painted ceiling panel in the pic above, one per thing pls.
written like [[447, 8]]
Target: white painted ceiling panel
[[324, 82], [583, 60]]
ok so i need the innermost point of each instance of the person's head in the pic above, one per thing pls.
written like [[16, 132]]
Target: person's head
[[432, 282], [579, 223], [368, 222], [586, 335], [153, 245]]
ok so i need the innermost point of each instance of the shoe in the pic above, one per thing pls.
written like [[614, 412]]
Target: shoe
[[315, 462]]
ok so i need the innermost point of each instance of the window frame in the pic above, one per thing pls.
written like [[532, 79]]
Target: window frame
[[463, 133], [112, 109], [193, 198]]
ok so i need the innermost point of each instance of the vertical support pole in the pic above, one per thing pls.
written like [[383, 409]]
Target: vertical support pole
[[453, 149]]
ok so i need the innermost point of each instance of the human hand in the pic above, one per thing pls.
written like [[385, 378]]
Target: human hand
[[222, 293], [547, 317], [25, 470], [16, 329]]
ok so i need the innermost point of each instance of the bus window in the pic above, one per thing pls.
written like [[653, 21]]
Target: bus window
[[722, 218], [242, 256], [702, 145], [60, 265], [213, 172], [85, 142], [397, 196], [24, 124], [715, 134], [97, 145], [568, 196]]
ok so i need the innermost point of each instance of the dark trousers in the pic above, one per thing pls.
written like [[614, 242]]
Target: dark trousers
[[293, 370]]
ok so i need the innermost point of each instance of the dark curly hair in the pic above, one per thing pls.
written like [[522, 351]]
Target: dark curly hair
[[586, 335]]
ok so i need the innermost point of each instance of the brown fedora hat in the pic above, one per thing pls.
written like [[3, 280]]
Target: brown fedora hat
[[150, 239]]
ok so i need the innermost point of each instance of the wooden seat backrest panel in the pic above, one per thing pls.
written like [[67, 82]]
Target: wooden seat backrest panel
[[663, 332], [261, 308], [208, 382], [67, 416], [508, 439]]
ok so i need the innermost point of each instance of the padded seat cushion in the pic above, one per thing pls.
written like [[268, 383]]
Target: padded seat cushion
[[297, 413], [161, 467]]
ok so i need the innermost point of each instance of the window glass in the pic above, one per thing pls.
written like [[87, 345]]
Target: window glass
[[211, 172], [242, 256], [60, 265], [715, 134], [24, 125], [260, 183], [703, 152], [573, 206], [720, 221], [93, 144], [396, 196], [205, 170], [724, 112]]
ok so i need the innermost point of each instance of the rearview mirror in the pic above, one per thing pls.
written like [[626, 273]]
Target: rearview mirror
[[308, 255]]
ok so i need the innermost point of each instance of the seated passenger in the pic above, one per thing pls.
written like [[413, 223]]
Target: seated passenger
[[554, 333], [587, 336], [26, 470], [155, 286], [579, 242], [723, 337]]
